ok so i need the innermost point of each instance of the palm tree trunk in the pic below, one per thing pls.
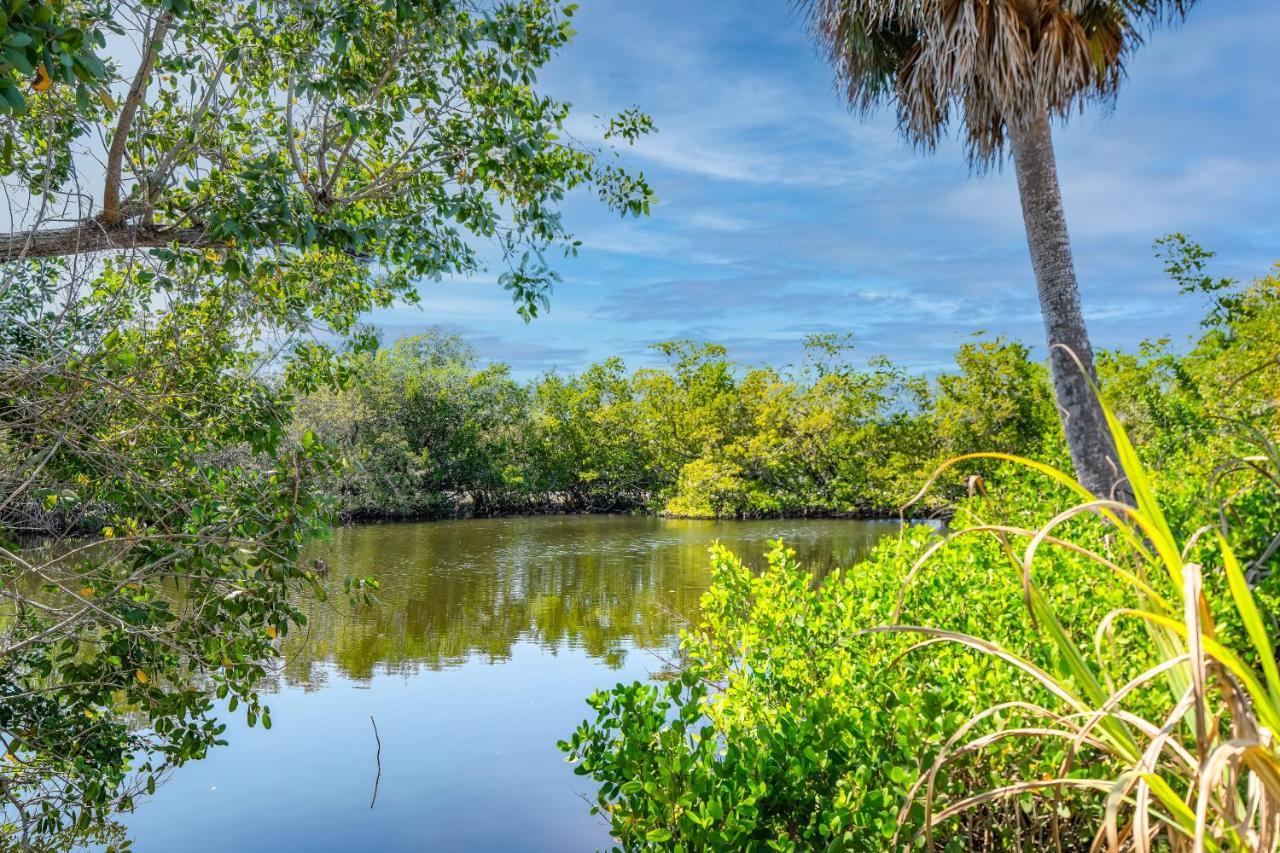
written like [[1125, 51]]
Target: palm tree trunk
[[1092, 451]]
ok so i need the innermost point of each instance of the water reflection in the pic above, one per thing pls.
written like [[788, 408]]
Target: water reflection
[[489, 636], [462, 590]]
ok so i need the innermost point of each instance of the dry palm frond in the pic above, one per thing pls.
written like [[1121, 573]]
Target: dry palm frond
[[996, 61]]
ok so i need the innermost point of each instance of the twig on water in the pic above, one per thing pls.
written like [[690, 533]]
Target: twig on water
[[378, 757]]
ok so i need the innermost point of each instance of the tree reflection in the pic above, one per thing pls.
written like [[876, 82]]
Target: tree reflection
[[470, 590]]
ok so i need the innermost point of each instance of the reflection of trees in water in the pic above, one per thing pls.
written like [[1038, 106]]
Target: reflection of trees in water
[[454, 591]]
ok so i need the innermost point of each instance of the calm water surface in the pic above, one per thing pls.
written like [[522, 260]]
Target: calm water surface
[[489, 636]]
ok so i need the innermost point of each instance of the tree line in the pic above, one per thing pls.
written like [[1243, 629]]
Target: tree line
[[425, 430]]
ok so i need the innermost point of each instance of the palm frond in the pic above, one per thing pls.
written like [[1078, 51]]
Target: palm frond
[[995, 62]]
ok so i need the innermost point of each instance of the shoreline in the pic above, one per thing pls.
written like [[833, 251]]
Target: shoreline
[[345, 520]]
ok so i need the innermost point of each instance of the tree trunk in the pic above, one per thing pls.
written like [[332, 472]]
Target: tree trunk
[[1093, 452]]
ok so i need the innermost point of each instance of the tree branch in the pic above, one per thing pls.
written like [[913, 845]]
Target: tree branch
[[330, 183], [115, 155], [290, 134], [169, 160], [94, 236]]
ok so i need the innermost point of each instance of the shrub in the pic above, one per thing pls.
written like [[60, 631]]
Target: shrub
[[789, 729], [1033, 675]]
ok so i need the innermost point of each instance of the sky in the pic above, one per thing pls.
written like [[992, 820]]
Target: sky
[[781, 214]]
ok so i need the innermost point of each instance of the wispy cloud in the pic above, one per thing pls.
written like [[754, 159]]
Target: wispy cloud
[[780, 213]]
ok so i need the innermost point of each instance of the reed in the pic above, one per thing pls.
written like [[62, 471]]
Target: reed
[[1182, 754]]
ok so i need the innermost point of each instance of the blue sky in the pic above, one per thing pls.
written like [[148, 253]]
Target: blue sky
[[780, 214]]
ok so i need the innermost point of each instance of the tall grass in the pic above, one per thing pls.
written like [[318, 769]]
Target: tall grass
[[1181, 754]]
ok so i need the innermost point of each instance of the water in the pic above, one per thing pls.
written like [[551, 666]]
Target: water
[[489, 636]]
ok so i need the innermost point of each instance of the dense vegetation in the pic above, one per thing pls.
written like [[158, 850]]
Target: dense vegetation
[[186, 395], [427, 431], [1029, 680]]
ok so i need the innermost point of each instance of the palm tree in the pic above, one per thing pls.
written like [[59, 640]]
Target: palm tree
[[1005, 67]]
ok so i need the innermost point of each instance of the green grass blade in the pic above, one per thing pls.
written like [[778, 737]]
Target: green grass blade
[[1182, 816], [1080, 671], [1269, 714], [1161, 535], [1252, 619]]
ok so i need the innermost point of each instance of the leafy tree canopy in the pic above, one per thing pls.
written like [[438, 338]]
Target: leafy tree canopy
[[196, 189], [327, 154]]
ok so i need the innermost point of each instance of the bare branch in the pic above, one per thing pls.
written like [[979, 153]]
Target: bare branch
[[111, 214], [94, 236]]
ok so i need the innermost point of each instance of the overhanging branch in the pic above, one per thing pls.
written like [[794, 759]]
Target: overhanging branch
[[93, 236]]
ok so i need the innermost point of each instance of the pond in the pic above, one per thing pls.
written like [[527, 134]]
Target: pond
[[489, 636]]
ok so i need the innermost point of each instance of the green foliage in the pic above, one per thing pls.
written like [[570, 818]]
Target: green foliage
[[43, 43], [702, 437], [353, 157], [589, 444], [144, 436], [423, 428], [1208, 415], [932, 687], [999, 400], [1177, 726], [705, 436], [813, 734], [272, 169]]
